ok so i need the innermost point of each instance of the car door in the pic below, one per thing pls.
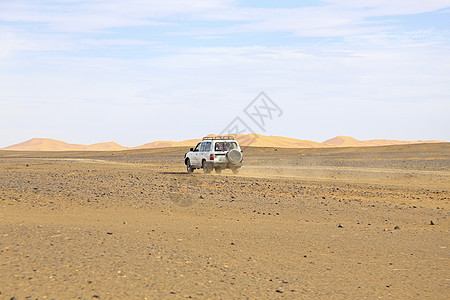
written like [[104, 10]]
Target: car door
[[202, 153], [220, 154], [205, 151], [195, 158]]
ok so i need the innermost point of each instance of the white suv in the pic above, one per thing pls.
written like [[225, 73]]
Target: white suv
[[218, 153]]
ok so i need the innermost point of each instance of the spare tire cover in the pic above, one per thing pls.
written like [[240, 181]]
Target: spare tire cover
[[234, 156]]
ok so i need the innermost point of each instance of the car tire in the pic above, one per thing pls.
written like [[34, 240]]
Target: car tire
[[206, 167], [235, 170], [189, 167], [218, 170]]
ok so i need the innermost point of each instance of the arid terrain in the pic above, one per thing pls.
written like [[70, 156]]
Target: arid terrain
[[255, 140], [296, 223]]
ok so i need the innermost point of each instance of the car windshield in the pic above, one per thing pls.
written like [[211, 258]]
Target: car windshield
[[225, 146]]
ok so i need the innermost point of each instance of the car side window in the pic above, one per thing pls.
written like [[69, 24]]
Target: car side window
[[202, 147], [207, 146], [219, 146], [197, 148]]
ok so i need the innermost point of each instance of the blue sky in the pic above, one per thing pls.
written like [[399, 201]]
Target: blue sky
[[138, 71]]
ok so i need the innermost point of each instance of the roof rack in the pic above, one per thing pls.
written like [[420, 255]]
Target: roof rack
[[219, 137]]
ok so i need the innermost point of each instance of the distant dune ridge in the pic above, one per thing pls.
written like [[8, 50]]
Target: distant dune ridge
[[161, 144], [42, 144], [256, 140], [346, 141]]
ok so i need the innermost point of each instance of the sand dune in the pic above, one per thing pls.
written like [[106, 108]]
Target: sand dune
[[162, 144], [347, 141], [43, 144], [255, 140], [107, 146]]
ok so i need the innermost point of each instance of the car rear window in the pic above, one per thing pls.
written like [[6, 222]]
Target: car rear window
[[225, 146]]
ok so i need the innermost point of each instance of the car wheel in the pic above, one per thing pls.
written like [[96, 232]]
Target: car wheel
[[235, 170], [234, 156], [206, 167], [218, 170], [189, 167]]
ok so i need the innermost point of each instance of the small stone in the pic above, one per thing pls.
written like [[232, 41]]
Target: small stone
[[201, 197], [279, 291], [340, 226], [109, 233], [397, 227], [431, 223]]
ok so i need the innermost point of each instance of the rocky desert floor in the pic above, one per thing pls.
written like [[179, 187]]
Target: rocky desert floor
[[295, 223]]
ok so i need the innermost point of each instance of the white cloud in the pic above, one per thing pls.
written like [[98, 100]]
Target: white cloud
[[58, 68], [334, 18], [95, 16], [389, 7]]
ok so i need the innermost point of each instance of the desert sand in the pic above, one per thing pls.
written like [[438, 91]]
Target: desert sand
[[44, 144], [296, 223], [252, 139]]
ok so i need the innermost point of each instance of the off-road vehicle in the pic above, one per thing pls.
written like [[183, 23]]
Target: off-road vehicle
[[217, 152]]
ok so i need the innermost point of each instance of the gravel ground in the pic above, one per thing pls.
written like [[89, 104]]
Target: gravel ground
[[296, 223]]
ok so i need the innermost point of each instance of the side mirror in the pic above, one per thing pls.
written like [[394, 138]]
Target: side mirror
[[192, 149]]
